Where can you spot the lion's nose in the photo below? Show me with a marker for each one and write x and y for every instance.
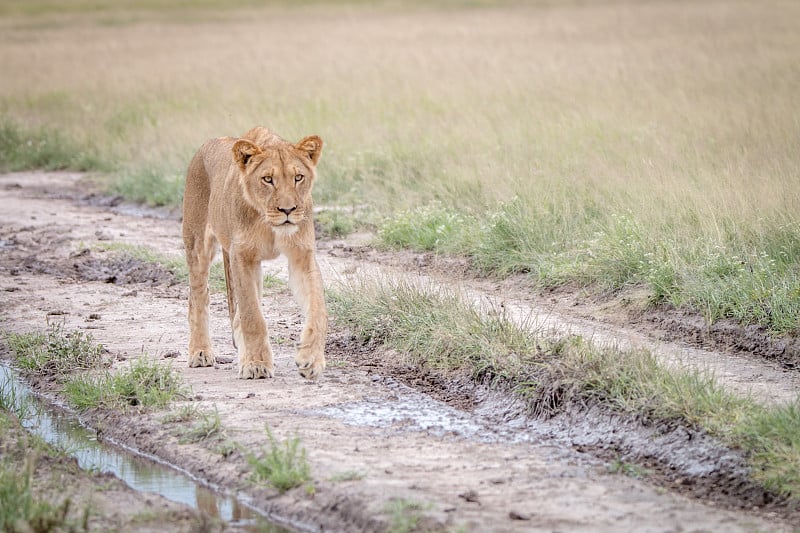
(287, 210)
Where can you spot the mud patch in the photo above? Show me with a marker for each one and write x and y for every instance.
(120, 269)
(35, 250)
(725, 335)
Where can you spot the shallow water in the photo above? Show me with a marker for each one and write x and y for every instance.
(61, 428)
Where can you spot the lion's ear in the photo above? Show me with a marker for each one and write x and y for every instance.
(312, 146)
(243, 150)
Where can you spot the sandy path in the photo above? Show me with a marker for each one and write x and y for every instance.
(465, 472)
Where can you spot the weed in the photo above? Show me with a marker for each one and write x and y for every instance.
(283, 465)
(144, 384)
(405, 514)
(618, 466)
(184, 413)
(55, 351)
(347, 475)
(208, 427)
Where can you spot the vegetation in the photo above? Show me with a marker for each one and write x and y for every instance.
(58, 353)
(575, 154)
(22, 149)
(55, 352)
(283, 465)
(23, 506)
(144, 384)
(208, 427)
(405, 514)
(437, 329)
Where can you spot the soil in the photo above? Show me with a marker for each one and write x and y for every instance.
(378, 433)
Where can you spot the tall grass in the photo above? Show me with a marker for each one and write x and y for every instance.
(439, 330)
(615, 143)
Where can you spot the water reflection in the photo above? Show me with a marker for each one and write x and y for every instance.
(61, 429)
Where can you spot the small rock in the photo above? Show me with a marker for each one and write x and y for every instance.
(516, 515)
(94, 316)
(470, 496)
(251, 395)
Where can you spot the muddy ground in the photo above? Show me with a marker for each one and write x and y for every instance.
(375, 431)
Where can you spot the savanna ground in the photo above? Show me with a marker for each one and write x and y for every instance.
(634, 163)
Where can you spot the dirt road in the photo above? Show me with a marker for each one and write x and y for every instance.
(371, 440)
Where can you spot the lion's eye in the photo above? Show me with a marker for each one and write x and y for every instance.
(298, 178)
(267, 180)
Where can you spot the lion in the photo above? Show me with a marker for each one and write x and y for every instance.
(251, 196)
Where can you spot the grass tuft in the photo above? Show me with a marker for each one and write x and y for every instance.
(405, 514)
(283, 465)
(55, 352)
(144, 384)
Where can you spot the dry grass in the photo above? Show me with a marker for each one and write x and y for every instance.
(681, 116)
(656, 104)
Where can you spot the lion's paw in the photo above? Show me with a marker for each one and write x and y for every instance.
(255, 370)
(203, 357)
(310, 367)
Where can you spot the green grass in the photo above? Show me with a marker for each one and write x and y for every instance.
(208, 427)
(633, 470)
(346, 475)
(439, 330)
(42, 148)
(55, 352)
(144, 384)
(151, 186)
(283, 465)
(752, 276)
(404, 514)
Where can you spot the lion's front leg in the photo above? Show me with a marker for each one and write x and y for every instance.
(306, 283)
(200, 250)
(249, 327)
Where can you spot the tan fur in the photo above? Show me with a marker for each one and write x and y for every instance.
(252, 196)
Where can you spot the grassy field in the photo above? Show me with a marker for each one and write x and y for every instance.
(600, 143)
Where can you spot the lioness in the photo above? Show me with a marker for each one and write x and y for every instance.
(252, 195)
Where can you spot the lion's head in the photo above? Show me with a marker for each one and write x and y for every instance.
(277, 177)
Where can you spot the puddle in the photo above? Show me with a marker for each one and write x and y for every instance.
(61, 429)
(409, 411)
